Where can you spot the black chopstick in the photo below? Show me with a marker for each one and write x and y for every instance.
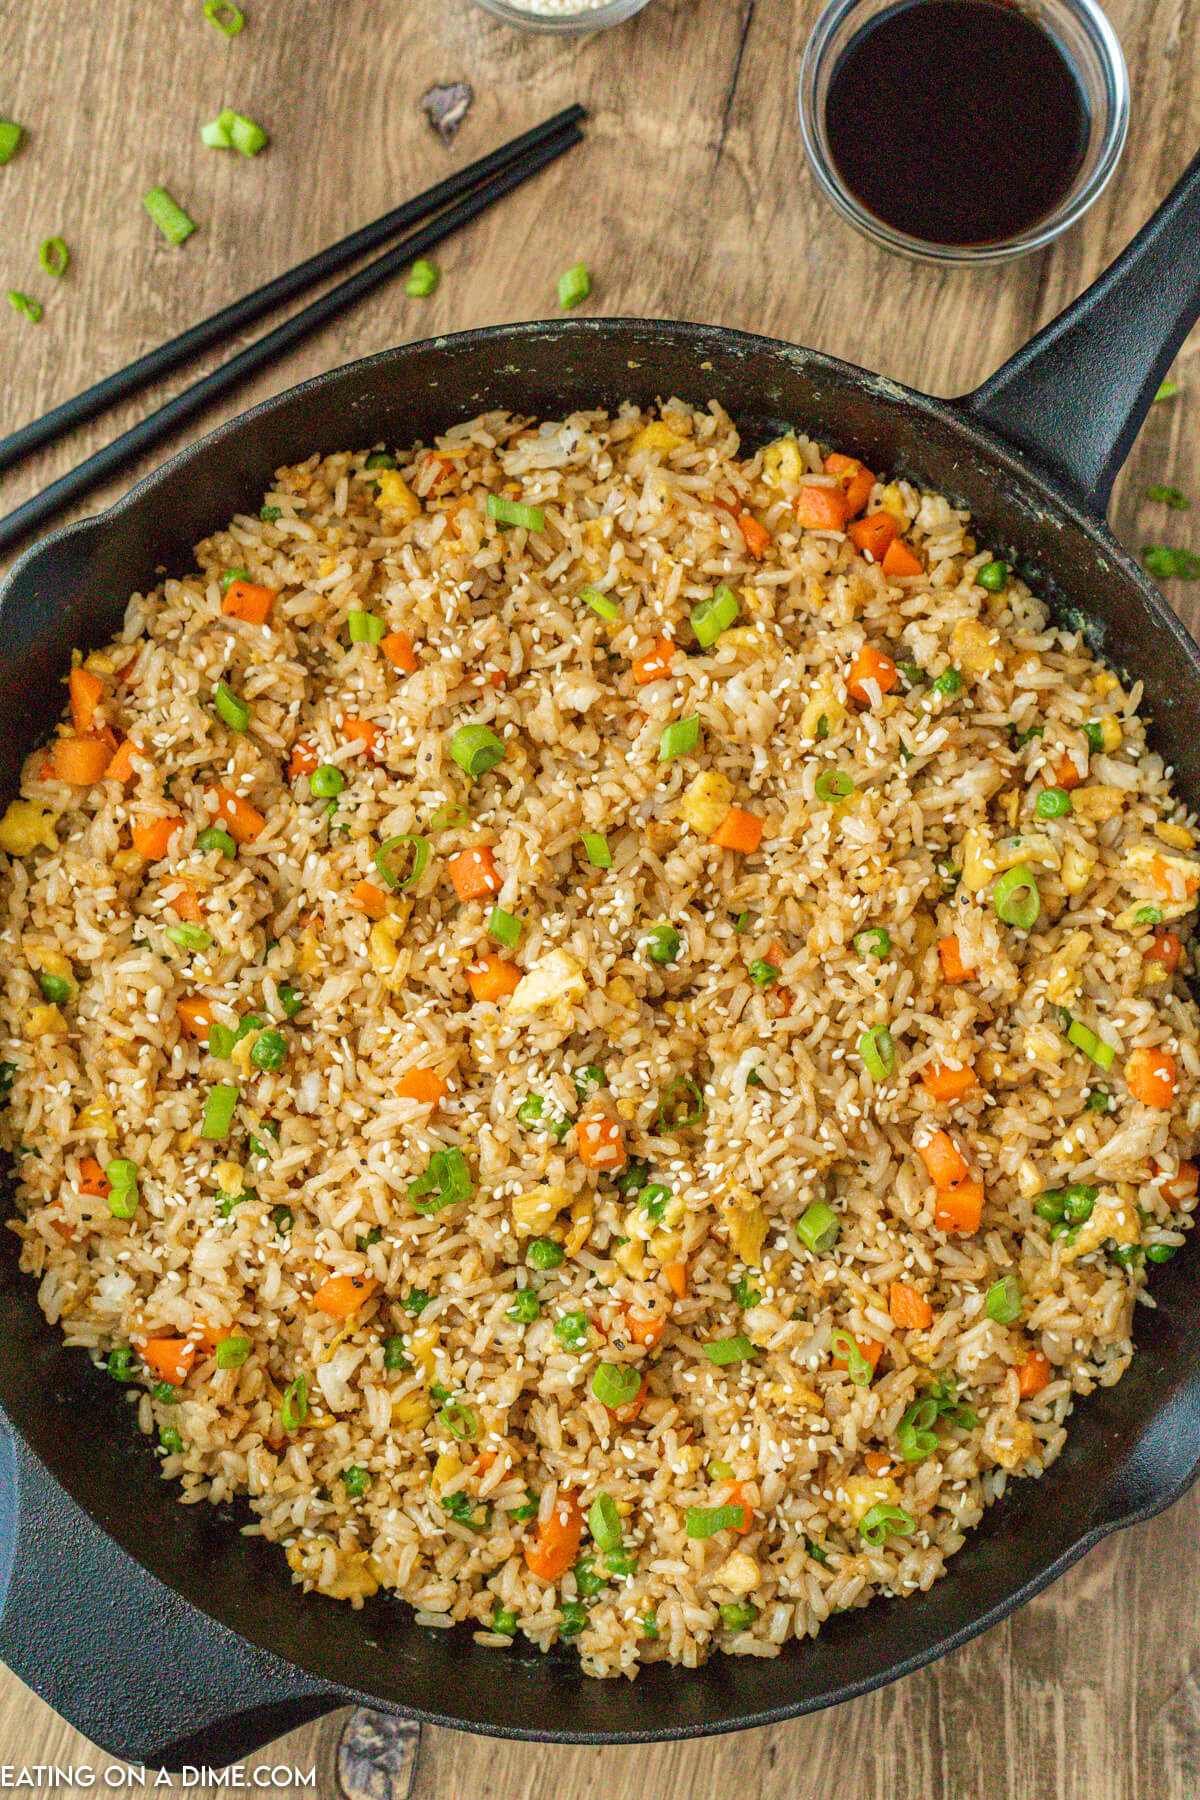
(266, 350)
(251, 307)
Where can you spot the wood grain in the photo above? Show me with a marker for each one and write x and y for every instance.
(690, 199)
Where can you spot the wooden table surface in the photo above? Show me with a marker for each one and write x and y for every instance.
(690, 199)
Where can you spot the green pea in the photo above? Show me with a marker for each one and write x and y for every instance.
(269, 1051)
(56, 988)
(544, 1253)
(326, 782)
(993, 576)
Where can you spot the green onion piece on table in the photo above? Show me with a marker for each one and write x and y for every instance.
(598, 852)
(54, 257)
(723, 1351)
(1003, 1302)
(1167, 391)
(1168, 563)
(171, 219)
(615, 1385)
(225, 16)
(679, 739)
(219, 1109)
(10, 138)
(423, 278)
(246, 136)
(1169, 496)
(476, 749)
(1016, 898)
(25, 304)
(510, 512)
(574, 286)
(713, 616)
(218, 133)
(818, 1227)
(392, 857)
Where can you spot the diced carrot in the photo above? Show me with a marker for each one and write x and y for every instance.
(369, 899)
(495, 678)
(654, 663)
(856, 480)
(491, 978)
(943, 1159)
(445, 469)
(869, 1348)
(909, 1307)
(646, 1328)
(1033, 1375)
(342, 1295)
(676, 1275)
(1163, 875)
(822, 508)
(153, 838)
(195, 1016)
(1066, 774)
(556, 1540)
(900, 561)
(170, 1358)
(876, 1462)
(92, 1179)
(206, 1337)
(758, 538)
(1182, 1185)
(186, 902)
(736, 1495)
(474, 872)
(738, 830)
(959, 1208)
(79, 760)
(120, 764)
(600, 1142)
(1152, 1077)
(1168, 948)
(362, 731)
(397, 646)
(425, 1085)
(86, 691)
(125, 676)
(484, 1461)
(873, 534)
(304, 758)
(953, 966)
(945, 1082)
(871, 665)
(245, 822)
(625, 1415)
(245, 600)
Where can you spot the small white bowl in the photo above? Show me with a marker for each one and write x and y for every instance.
(591, 18)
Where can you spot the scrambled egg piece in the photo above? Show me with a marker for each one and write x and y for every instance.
(974, 647)
(1110, 1218)
(353, 1576)
(655, 436)
(395, 495)
(739, 1573)
(781, 461)
(706, 800)
(25, 826)
(859, 1493)
(535, 1211)
(746, 1223)
(556, 977)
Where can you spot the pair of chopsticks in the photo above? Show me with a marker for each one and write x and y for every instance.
(453, 203)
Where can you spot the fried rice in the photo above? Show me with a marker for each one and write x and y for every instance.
(595, 1025)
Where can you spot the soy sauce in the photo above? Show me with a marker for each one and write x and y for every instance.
(956, 121)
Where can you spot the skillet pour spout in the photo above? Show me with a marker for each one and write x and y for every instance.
(159, 1630)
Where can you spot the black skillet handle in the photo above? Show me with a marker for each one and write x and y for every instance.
(1074, 398)
(123, 1659)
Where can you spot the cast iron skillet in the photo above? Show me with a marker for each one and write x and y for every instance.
(160, 1631)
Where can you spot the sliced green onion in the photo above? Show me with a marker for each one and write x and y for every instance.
(56, 988)
(10, 138)
(649, 1626)
(446, 1181)
(423, 278)
(123, 1199)
(1016, 899)
(246, 136)
(948, 682)
(738, 1615)
(1167, 391)
(219, 1109)
(662, 943)
(120, 1364)
(763, 974)
(511, 512)
(598, 852)
(993, 576)
(447, 815)
(476, 749)
(1161, 1253)
(833, 784)
(25, 304)
(54, 257)
(671, 1115)
(1003, 1302)
(1093, 731)
(819, 1227)
(225, 16)
(876, 942)
(189, 937)
(877, 1048)
(707, 1521)
(713, 616)
(723, 1351)
(857, 1366)
(884, 1521)
(326, 781)
(720, 1471)
(171, 219)
(504, 928)
(621, 1562)
(915, 1434)
(574, 286)
(745, 1293)
(391, 859)
(232, 575)
(218, 133)
(235, 712)
(365, 627)
(601, 604)
(1053, 803)
(215, 837)
(543, 1253)
(504, 1622)
(460, 1421)
(354, 1481)
(679, 739)
(232, 1352)
(1085, 1039)
(221, 1039)
(395, 1356)
(170, 1440)
(121, 1172)
(294, 1409)
(615, 1385)
(1148, 915)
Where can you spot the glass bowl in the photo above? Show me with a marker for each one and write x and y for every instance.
(592, 18)
(1082, 32)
